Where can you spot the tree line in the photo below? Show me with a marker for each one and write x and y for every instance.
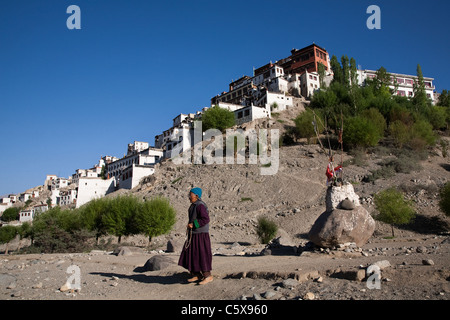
(66, 230)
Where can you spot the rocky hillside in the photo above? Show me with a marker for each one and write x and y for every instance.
(295, 196)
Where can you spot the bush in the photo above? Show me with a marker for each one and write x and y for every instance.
(304, 127)
(422, 130)
(155, 217)
(7, 233)
(217, 118)
(444, 202)
(266, 230)
(360, 132)
(119, 218)
(399, 132)
(10, 214)
(393, 208)
(376, 118)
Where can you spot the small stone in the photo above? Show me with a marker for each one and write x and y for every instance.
(421, 249)
(65, 287)
(290, 283)
(309, 296)
(269, 294)
(38, 285)
(428, 262)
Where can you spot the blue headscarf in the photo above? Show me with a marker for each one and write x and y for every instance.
(197, 191)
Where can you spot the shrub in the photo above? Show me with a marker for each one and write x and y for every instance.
(7, 233)
(217, 118)
(155, 217)
(376, 118)
(360, 132)
(399, 132)
(10, 214)
(266, 229)
(423, 130)
(438, 117)
(393, 208)
(304, 127)
(119, 218)
(444, 202)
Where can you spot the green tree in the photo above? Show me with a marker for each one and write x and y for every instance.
(360, 132)
(444, 99)
(399, 132)
(10, 214)
(393, 208)
(305, 122)
(91, 216)
(321, 72)
(422, 134)
(120, 218)
(155, 217)
(420, 100)
(376, 118)
(345, 71)
(337, 69)
(7, 233)
(217, 118)
(438, 117)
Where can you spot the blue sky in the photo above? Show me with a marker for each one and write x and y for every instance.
(68, 97)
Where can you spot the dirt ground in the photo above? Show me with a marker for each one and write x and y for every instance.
(418, 260)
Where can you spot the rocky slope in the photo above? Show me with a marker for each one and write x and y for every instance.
(237, 195)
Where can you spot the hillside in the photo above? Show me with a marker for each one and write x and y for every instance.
(294, 197)
(417, 259)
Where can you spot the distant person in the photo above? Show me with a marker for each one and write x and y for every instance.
(196, 255)
(331, 173)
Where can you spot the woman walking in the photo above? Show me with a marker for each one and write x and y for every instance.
(196, 255)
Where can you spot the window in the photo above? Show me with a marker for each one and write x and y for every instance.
(239, 114)
(247, 113)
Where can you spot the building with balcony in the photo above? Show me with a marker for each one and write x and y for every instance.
(401, 84)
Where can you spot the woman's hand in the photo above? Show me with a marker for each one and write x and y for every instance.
(190, 225)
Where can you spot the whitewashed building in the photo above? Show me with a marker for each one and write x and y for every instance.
(402, 84)
(93, 188)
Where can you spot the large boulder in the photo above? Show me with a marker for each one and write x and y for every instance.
(340, 226)
(157, 263)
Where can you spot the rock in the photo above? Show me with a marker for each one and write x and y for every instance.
(65, 287)
(289, 283)
(352, 274)
(6, 280)
(157, 263)
(340, 226)
(346, 204)
(382, 264)
(421, 249)
(123, 251)
(309, 296)
(126, 251)
(269, 294)
(336, 195)
(37, 285)
(428, 262)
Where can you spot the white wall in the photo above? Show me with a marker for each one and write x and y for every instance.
(92, 188)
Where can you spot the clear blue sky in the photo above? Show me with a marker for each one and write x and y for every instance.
(68, 97)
